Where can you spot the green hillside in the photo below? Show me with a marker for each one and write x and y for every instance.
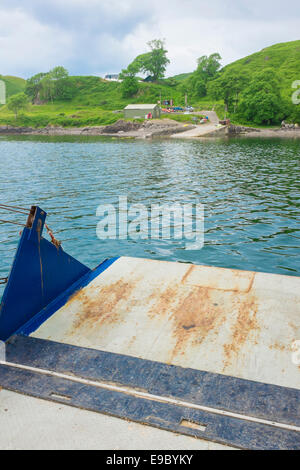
(283, 59)
(94, 91)
(93, 102)
(181, 76)
(278, 66)
(256, 90)
(14, 85)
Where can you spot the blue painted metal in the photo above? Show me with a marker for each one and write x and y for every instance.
(34, 323)
(40, 273)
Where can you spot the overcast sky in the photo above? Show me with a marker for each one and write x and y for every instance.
(101, 36)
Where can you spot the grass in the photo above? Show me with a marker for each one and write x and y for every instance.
(13, 85)
(94, 91)
(96, 101)
(184, 118)
(283, 58)
(182, 76)
(59, 115)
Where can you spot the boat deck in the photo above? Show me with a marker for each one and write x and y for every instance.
(231, 322)
(236, 323)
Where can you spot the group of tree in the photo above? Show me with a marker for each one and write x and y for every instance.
(249, 97)
(207, 69)
(256, 99)
(43, 87)
(53, 85)
(153, 63)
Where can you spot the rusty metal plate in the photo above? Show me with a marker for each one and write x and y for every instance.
(230, 322)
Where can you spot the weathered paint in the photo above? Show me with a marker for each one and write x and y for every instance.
(40, 273)
(231, 322)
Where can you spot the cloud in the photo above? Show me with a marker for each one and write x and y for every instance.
(100, 36)
(26, 45)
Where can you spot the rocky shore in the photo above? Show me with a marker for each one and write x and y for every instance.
(232, 131)
(142, 130)
(153, 128)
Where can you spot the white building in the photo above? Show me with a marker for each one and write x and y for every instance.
(112, 77)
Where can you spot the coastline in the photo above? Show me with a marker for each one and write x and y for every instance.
(125, 129)
(155, 128)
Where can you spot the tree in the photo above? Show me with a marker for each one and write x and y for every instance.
(65, 89)
(48, 88)
(208, 66)
(34, 86)
(261, 101)
(295, 114)
(130, 84)
(17, 103)
(228, 87)
(196, 86)
(55, 84)
(59, 83)
(154, 62)
(207, 69)
(58, 73)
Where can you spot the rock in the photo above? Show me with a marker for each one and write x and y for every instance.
(15, 130)
(236, 130)
(121, 125)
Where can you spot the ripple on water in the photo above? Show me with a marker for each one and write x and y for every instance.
(250, 189)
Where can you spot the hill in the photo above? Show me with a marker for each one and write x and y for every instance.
(94, 91)
(283, 59)
(14, 85)
(256, 90)
(92, 102)
(181, 76)
(279, 65)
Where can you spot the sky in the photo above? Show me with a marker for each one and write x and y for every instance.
(95, 37)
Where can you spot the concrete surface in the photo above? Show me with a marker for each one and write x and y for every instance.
(31, 423)
(201, 130)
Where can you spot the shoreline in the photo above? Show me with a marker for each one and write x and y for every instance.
(127, 129)
(155, 128)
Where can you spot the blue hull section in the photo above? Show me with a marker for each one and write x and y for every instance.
(41, 272)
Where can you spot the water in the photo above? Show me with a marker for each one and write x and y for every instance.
(250, 189)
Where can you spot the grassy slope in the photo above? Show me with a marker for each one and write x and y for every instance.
(14, 85)
(181, 76)
(93, 91)
(96, 99)
(283, 58)
(94, 104)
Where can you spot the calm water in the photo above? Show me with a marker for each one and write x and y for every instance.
(250, 189)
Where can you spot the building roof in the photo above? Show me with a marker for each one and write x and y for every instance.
(141, 106)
